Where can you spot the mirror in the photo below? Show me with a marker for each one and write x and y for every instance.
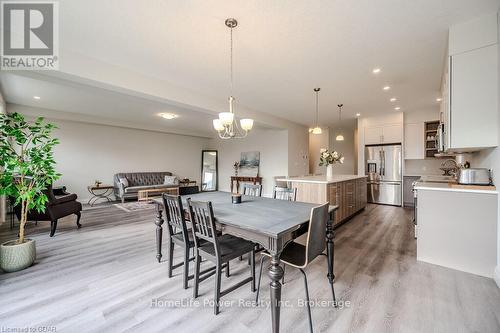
(209, 169)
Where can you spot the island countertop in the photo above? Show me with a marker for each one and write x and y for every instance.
(321, 179)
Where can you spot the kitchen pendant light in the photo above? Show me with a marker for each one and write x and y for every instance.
(226, 125)
(316, 129)
(340, 137)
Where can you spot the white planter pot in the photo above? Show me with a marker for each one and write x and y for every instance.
(15, 257)
(329, 171)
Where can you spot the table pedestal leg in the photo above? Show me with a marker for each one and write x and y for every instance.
(329, 249)
(159, 232)
(275, 273)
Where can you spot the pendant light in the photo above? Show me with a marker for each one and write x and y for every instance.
(340, 137)
(227, 125)
(316, 129)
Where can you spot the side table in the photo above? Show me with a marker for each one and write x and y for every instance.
(100, 192)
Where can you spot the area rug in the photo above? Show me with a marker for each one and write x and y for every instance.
(135, 206)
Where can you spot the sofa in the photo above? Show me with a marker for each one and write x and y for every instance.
(128, 184)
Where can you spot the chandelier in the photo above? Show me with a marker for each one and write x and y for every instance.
(226, 125)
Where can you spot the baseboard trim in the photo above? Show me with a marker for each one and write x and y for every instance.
(496, 276)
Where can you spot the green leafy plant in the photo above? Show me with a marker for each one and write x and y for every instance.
(27, 166)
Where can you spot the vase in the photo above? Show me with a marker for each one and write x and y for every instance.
(329, 171)
(15, 257)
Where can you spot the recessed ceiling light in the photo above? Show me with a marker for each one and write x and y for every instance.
(376, 70)
(358, 114)
(387, 88)
(397, 108)
(169, 116)
(36, 97)
(393, 99)
(439, 99)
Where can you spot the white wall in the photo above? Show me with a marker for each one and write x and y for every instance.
(273, 148)
(490, 158)
(316, 143)
(90, 152)
(347, 148)
(298, 151)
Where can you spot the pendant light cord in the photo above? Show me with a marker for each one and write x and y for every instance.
(231, 63)
(317, 98)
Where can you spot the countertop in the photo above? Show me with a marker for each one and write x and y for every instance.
(321, 179)
(434, 186)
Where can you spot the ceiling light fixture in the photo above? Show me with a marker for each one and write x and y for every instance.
(169, 116)
(340, 137)
(387, 88)
(226, 125)
(397, 108)
(439, 99)
(376, 70)
(393, 99)
(316, 129)
(358, 114)
(36, 97)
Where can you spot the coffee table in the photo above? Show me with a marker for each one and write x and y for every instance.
(145, 195)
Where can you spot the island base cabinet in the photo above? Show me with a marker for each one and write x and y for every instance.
(350, 196)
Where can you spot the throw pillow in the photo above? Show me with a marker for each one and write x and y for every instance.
(171, 180)
(123, 181)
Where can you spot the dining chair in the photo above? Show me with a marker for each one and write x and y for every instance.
(285, 193)
(254, 190)
(280, 183)
(299, 256)
(176, 221)
(219, 249)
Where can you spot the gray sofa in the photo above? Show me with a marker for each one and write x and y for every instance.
(128, 184)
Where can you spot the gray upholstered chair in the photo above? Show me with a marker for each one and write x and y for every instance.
(219, 249)
(285, 193)
(254, 190)
(299, 256)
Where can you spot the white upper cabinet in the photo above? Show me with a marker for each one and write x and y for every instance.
(414, 141)
(390, 133)
(471, 106)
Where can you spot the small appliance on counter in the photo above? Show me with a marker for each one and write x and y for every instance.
(474, 176)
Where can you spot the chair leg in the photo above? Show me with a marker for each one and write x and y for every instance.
(78, 216)
(196, 275)
(186, 267)
(218, 274)
(260, 277)
(170, 256)
(123, 200)
(53, 227)
(307, 299)
(283, 278)
(227, 269)
(252, 269)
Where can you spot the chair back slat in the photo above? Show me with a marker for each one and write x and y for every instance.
(285, 193)
(175, 215)
(316, 237)
(202, 219)
(254, 190)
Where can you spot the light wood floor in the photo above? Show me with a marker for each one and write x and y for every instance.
(104, 278)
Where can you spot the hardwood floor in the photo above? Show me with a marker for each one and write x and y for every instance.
(105, 278)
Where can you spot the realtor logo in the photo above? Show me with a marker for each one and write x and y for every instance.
(29, 35)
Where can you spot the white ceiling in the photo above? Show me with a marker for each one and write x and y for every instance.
(100, 104)
(283, 49)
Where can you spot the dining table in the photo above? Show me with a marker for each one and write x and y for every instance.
(268, 222)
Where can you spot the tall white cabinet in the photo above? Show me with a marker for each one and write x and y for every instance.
(471, 86)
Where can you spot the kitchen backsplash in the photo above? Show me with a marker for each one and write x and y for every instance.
(423, 167)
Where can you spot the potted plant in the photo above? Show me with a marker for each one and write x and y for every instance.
(329, 159)
(26, 170)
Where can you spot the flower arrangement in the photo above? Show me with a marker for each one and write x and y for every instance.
(330, 157)
(236, 166)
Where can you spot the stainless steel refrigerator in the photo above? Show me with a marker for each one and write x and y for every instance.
(384, 166)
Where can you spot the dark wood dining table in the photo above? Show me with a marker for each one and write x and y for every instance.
(269, 222)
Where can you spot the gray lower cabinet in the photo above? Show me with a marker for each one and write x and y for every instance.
(408, 190)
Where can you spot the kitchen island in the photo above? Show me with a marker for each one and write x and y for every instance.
(346, 191)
